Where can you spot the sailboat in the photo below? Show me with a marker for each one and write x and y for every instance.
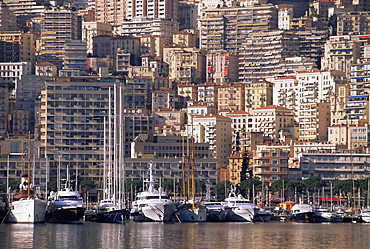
(66, 205)
(27, 207)
(153, 204)
(190, 210)
(111, 208)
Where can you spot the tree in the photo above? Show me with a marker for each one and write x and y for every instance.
(298, 186)
(313, 181)
(13, 185)
(247, 185)
(278, 185)
(220, 188)
(52, 186)
(344, 186)
(87, 185)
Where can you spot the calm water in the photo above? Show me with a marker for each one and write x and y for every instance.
(202, 235)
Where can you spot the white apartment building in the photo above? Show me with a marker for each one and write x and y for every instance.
(199, 109)
(309, 86)
(11, 72)
(285, 15)
(215, 130)
(161, 9)
(271, 120)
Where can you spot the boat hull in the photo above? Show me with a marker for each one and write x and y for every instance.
(158, 212)
(115, 216)
(27, 211)
(189, 214)
(216, 215)
(241, 214)
(303, 217)
(66, 215)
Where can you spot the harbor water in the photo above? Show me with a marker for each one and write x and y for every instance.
(186, 235)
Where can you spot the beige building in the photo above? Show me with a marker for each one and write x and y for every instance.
(152, 45)
(338, 102)
(208, 93)
(17, 46)
(314, 120)
(340, 53)
(46, 69)
(222, 67)
(272, 120)
(169, 117)
(185, 38)
(186, 65)
(231, 96)
(215, 130)
(185, 93)
(238, 167)
(353, 23)
(270, 165)
(91, 29)
(113, 13)
(258, 94)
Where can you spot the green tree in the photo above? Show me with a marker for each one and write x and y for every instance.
(247, 185)
(52, 186)
(278, 185)
(13, 185)
(298, 186)
(87, 185)
(345, 186)
(220, 188)
(313, 181)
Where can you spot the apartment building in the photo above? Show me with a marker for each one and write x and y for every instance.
(17, 46)
(185, 93)
(186, 38)
(231, 96)
(263, 54)
(239, 167)
(8, 20)
(170, 117)
(314, 120)
(163, 98)
(167, 9)
(340, 53)
(111, 12)
(58, 26)
(270, 165)
(215, 130)
(271, 120)
(225, 28)
(319, 12)
(4, 109)
(208, 93)
(222, 67)
(137, 92)
(186, 65)
(46, 69)
(351, 135)
(307, 86)
(334, 165)
(127, 45)
(143, 27)
(353, 23)
(195, 109)
(338, 102)
(75, 59)
(152, 45)
(11, 72)
(91, 29)
(258, 94)
(285, 15)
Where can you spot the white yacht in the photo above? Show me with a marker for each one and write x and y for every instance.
(153, 204)
(239, 208)
(365, 215)
(192, 211)
(215, 211)
(65, 206)
(27, 207)
(323, 215)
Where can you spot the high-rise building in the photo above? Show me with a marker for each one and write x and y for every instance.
(17, 46)
(58, 26)
(8, 21)
(156, 9)
(226, 28)
(112, 12)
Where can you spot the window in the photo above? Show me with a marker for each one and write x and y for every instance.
(274, 169)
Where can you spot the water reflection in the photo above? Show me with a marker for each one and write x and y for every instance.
(186, 235)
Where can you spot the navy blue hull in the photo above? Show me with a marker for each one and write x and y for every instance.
(303, 217)
(116, 216)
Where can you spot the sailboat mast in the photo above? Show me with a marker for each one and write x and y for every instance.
(192, 170)
(29, 167)
(183, 165)
(109, 145)
(115, 132)
(105, 159)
